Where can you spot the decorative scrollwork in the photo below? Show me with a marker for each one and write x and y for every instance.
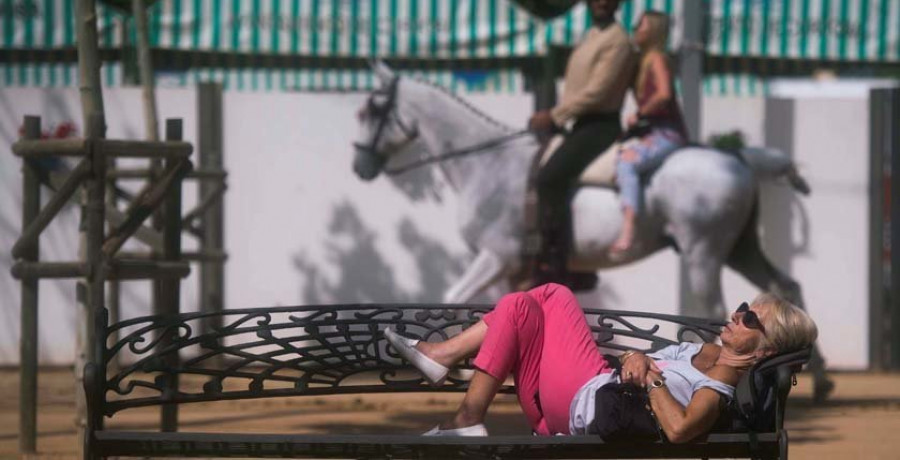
(333, 349)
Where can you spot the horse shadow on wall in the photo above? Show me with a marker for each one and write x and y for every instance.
(365, 274)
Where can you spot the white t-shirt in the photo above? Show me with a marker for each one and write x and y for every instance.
(682, 380)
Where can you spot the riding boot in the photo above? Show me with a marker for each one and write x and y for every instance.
(552, 261)
(550, 266)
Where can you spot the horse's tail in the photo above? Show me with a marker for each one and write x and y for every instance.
(769, 163)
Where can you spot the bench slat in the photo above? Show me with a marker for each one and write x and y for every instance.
(124, 443)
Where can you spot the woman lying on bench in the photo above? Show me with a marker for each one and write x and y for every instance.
(542, 338)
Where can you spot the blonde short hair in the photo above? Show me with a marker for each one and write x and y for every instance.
(788, 328)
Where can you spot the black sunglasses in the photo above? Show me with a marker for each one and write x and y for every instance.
(749, 318)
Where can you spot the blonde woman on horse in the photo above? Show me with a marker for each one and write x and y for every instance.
(658, 121)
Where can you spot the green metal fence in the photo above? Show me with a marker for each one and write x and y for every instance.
(857, 31)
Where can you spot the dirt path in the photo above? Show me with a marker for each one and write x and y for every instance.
(861, 421)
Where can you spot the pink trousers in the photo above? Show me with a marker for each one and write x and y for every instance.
(542, 337)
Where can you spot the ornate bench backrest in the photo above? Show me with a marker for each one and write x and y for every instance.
(311, 350)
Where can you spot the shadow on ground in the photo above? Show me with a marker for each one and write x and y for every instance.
(804, 416)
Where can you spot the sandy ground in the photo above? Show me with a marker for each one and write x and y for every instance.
(861, 421)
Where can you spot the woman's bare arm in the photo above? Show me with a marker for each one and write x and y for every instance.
(682, 424)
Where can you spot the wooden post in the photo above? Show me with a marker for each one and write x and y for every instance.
(212, 273)
(691, 76)
(893, 141)
(114, 294)
(878, 285)
(147, 203)
(90, 289)
(64, 191)
(145, 62)
(691, 67)
(89, 292)
(151, 123)
(884, 230)
(89, 65)
(169, 288)
(129, 77)
(129, 53)
(28, 342)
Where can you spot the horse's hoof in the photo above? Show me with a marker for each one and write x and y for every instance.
(822, 388)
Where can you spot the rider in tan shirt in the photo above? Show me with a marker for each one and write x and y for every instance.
(598, 75)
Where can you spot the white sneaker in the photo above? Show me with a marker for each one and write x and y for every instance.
(474, 430)
(434, 372)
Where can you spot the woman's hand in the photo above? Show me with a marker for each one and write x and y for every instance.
(636, 367)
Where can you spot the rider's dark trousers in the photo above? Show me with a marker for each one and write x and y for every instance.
(556, 180)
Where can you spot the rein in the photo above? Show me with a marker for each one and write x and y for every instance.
(477, 148)
(387, 111)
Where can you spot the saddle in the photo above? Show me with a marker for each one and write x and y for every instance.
(600, 173)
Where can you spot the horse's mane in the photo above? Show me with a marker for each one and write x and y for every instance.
(459, 100)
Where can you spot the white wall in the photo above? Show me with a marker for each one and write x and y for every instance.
(831, 145)
(820, 240)
(301, 228)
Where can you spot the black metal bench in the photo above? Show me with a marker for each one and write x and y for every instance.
(339, 349)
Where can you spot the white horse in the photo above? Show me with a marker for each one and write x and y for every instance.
(700, 200)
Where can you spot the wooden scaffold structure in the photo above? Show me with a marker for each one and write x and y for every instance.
(104, 228)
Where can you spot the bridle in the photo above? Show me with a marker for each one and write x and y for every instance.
(386, 111)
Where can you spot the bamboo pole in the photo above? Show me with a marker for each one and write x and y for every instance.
(145, 68)
(146, 204)
(130, 75)
(114, 217)
(691, 76)
(38, 223)
(89, 66)
(89, 290)
(145, 64)
(216, 257)
(207, 201)
(169, 288)
(28, 341)
(144, 234)
(49, 148)
(145, 149)
(114, 287)
(37, 270)
(148, 269)
(212, 254)
(145, 173)
(203, 173)
(129, 173)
